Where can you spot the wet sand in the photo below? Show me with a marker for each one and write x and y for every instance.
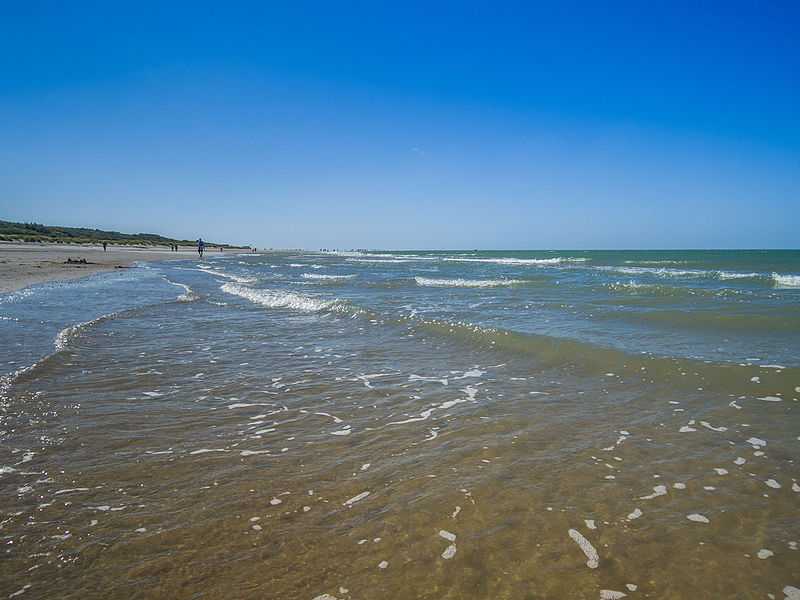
(22, 264)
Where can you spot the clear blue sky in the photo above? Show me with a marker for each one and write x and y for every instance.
(406, 125)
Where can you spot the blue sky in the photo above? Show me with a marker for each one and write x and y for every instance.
(406, 125)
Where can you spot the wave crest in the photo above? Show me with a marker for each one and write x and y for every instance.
(319, 277)
(471, 283)
(521, 261)
(284, 299)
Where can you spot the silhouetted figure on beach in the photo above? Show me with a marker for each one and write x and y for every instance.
(201, 247)
(105, 244)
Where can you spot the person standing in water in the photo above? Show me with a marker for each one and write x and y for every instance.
(201, 246)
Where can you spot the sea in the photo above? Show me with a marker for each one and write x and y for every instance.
(450, 424)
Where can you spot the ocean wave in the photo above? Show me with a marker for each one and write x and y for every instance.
(657, 289)
(236, 278)
(666, 272)
(379, 260)
(16, 296)
(472, 283)
(554, 351)
(556, 260)
(284, 299)
(320, 277)
(786, 281)
(189, 294)
(66, 335)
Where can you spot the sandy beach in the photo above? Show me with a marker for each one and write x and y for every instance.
(22, 264)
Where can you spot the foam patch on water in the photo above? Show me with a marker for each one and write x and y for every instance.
(378, 260)
(470, 283)
(668, 272)
(592, 558)
(66, 335)
(356, 498)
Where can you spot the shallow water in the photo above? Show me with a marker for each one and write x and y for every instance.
(406, 425)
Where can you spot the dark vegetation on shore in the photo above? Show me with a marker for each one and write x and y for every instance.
(35, 232)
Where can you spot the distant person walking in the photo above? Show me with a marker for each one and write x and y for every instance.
(201, 247)
(105, 245)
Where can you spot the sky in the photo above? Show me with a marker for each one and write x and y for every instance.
(406, 125)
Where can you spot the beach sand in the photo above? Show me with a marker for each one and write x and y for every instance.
(23, 264)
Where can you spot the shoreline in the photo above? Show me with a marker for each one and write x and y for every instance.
(26, 264)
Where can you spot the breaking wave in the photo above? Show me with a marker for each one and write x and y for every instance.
(319, 277)
(665, 272)
(285, 299)
(786, 281)
(470, 283)
(521, 261)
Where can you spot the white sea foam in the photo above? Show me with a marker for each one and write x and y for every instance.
(635, 514)
(592, 558)
(320, 277)
(283, 299)
(659, 490)
(611, 595)
(697, 518)
(723, 275)
(786, 281)
(444, 534)
(556, 260)
(236, 278)
(655, 262)
(378, 260)
(188, 294)
(473, 283)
